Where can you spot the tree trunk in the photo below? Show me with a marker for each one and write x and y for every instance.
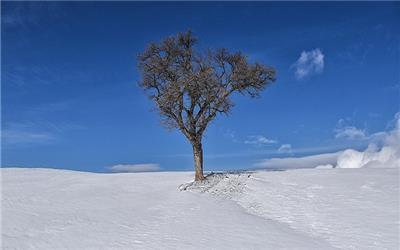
(198, 161)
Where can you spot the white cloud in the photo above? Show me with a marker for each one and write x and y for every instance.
(285, 148)
(385, 156)
(133, 168)
(351, 132)
(309, 63)
(258, 140)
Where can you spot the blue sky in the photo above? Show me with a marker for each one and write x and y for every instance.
(69, 81)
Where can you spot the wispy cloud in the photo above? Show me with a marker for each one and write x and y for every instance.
(18, 15)
(231, 134)
(259, 140)
(309, 63)
(32, 132)
(14, 136)
(285, 148)
(29, 14)
(351, 132)
(134, 168)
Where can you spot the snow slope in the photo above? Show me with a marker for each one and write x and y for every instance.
(298, 209)
(350, 208)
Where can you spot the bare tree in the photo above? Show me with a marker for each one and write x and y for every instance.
(190, 89)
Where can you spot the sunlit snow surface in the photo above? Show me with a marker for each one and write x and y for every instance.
(295, 209)
(350, 208)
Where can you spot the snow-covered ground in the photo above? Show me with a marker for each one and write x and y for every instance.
(350, 208)
(294, 209)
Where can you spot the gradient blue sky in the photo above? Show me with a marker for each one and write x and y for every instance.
(69, 81)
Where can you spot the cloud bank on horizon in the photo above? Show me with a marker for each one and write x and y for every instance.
(385, 156)
(135, 168)
(383, 151)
